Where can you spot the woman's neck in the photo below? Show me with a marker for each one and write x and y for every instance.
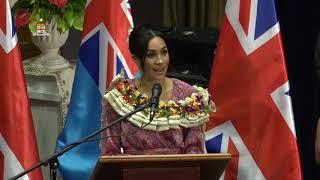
(146, 85)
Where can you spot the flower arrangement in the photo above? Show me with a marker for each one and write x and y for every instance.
(66, 13)
(190, 112)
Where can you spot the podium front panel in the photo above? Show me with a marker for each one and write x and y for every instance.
(183, 173)
(210, 166)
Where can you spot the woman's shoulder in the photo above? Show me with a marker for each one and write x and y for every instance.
(182, 88)
(181, 84)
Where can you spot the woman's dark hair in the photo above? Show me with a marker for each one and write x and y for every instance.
(139, 40)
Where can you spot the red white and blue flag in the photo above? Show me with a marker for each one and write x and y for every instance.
(18, 145)
(249, 84)
(103, 53)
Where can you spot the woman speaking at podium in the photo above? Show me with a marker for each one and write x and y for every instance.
(178, 125)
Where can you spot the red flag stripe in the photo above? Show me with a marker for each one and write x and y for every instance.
(18, 138)
(3, 16)
(15, 114)
(244, 15)
(232, 168)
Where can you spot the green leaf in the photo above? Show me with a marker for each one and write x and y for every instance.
(62, 24)
(78, 5)
(82, 3)
(35, 16)
(55, 18)
(44, 15)
(32, 1)
(68, 16)
(54, 10)
(21, 4)
(78, 19)
(32, 27)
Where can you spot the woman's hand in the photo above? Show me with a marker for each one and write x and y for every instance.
(115, 81)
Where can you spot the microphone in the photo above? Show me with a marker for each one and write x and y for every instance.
(154, 101)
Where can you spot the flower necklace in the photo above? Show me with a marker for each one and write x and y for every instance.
(190, 112)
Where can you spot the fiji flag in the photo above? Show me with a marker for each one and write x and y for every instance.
(103, 53)
(249, 84)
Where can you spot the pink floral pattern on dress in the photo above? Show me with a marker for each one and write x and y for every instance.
(140, 141)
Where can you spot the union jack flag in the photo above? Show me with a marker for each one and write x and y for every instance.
(103, 53)
(249, 84)
(18, 145)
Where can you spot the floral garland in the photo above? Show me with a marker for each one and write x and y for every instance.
(190, 112)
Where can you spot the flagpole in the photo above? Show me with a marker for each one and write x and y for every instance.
(53, 159)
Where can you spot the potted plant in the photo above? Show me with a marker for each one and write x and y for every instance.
(49, 22)
(66, 13)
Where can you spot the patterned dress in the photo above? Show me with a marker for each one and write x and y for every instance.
(138, 142)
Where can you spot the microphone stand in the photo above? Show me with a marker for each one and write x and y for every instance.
(53, 159)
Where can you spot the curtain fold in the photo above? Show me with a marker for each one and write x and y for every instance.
(193, 13)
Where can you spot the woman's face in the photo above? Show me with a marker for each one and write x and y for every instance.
(156, 60)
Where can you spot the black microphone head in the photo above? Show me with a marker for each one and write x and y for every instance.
(154, 101)
(156, 90)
